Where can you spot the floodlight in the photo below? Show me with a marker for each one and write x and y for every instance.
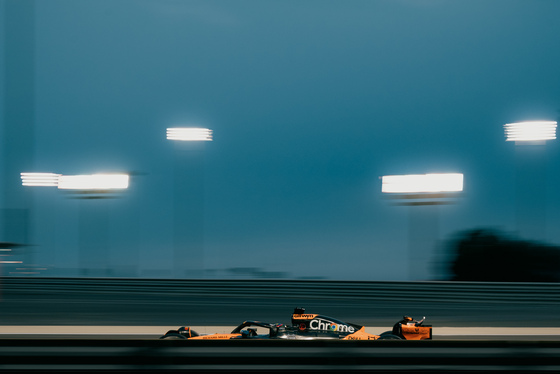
(189, 134)
(419, 183)
(530, 131)
(93, 182)
(40, 179)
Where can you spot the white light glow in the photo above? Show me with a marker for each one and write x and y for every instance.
(93, 182)
(11, 262)
(39, 179)
(417, 183)
(530, 131)
(189, 134)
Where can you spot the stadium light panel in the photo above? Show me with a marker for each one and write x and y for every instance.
(530, 131)
(40, 179)
(189, 134)
(419, 183)
(93, 182)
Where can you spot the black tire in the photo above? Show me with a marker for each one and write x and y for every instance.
(173, 336)
(386, 333)
(389, 336)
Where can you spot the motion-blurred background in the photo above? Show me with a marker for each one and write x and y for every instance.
(309, 104)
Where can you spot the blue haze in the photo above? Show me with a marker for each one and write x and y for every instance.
(310, 103)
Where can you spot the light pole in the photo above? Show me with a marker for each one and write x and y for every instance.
(530, 138)
(188, 199)
(37, 180)
(93, 243)
(423, 193)
(92, 190)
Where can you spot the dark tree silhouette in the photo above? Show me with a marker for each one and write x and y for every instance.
(488, 255)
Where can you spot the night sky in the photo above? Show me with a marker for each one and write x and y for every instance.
(310, 102)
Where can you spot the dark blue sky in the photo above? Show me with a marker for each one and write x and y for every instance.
(310, 103)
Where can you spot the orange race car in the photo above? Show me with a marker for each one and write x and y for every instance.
(306, 326)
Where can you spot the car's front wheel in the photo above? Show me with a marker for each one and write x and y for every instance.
(389, 337)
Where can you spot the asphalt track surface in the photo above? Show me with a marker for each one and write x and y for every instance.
(75, 329)
(155, 332)
(250, 356)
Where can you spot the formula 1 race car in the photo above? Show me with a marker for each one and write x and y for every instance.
(311, 327)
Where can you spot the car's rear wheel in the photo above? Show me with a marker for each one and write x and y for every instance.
(173, 335)
(389, 337)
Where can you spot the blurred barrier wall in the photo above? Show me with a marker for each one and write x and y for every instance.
(548, 293)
